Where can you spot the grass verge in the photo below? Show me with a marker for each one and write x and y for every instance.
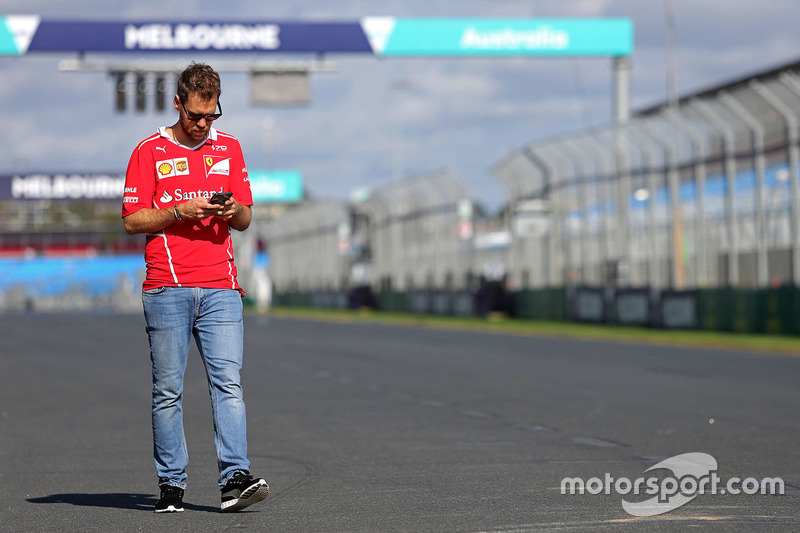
(704, 339)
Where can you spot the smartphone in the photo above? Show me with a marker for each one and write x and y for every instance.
(220, 198)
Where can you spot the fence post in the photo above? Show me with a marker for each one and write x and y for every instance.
(596, 146)
(757, 137)
(790, 81)
(553, 236)
(700, 153)
(565, 188)
(729, 149)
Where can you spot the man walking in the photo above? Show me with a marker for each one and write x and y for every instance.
(191, 289)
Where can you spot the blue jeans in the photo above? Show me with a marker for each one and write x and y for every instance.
(214, 316)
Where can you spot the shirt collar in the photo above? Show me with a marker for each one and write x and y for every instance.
(212, 136)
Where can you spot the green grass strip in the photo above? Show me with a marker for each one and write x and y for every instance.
(541, 328)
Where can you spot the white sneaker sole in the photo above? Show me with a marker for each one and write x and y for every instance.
(170, 509)
(252, 494)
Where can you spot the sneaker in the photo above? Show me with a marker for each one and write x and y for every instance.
(242, 490)
(171, 500)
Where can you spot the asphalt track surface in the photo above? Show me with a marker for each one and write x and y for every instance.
(365, 427)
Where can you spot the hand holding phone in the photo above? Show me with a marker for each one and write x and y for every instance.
(220, 198)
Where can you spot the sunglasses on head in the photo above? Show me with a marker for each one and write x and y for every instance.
(194, 117)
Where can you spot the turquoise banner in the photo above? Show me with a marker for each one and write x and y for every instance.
(508, 37)
(276, 186)
(16, 33)
(8, 45)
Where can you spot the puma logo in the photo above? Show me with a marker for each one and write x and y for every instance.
(162, 148)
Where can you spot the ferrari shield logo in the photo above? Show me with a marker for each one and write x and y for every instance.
(218, 165)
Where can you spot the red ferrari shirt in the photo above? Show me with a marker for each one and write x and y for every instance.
(162, 173)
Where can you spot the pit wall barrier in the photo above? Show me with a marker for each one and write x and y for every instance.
(771, 311)
(775, 311)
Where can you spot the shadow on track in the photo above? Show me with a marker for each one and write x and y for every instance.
(139, 502)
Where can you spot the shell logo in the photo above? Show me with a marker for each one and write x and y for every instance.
(165, 168)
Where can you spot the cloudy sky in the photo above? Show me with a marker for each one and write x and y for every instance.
(376, 119)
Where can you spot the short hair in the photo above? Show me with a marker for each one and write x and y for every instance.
(200, 79)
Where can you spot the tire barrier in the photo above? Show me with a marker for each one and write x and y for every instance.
(678, 309)
(447, 303)
(632, 307)
(588, 305)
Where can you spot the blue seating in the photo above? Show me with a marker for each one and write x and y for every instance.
(54, 276)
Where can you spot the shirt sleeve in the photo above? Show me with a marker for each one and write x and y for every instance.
(139, 183)
(239, 180)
